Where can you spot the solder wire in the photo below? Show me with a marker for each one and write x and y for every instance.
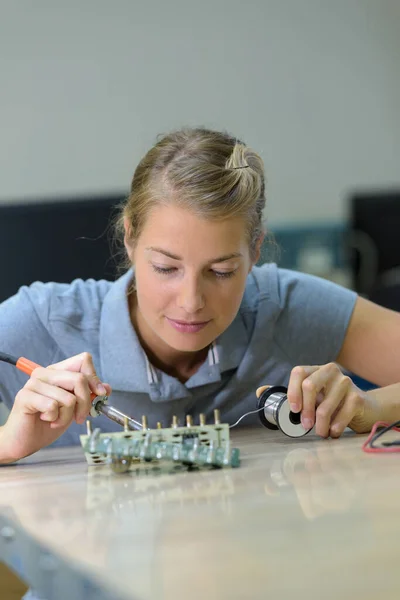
(252, 412)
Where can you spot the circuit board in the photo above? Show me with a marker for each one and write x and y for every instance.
(192, 446)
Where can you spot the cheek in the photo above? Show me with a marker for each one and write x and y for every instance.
(152, 293)
(227, 297)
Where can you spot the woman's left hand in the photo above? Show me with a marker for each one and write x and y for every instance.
(326, 398)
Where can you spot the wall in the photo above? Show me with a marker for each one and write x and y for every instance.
(314, 86)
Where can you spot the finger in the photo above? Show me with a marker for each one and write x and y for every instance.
(83, 399)
(66, 414)
(294, 393)
(351, 408)
(88, 368)
(73, 363)
(83, 409)
(66, 401)
(31, 403)
(336, 392)
(76, 383)
(321, 378)
(262, 389)
(61, 378)
(83, 363)
(108, 389)
(56, 395)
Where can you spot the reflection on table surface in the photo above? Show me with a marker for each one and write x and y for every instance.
(304, 516)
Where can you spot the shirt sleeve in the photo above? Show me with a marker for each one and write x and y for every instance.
(23, 332)
(314, 317)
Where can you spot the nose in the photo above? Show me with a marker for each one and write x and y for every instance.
(190, 296)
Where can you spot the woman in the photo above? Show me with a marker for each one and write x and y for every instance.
(193, 325)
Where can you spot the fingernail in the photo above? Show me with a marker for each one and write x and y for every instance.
(336, 429)
(307, 423)
(295, 408)
(101, 390)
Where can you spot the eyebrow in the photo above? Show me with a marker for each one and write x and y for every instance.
(213, 260)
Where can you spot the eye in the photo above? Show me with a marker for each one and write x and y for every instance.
(163, 270)
(223, 274)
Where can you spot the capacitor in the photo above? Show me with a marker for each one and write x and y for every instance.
(277, 413)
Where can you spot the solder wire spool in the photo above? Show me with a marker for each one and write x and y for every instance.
(277, 413)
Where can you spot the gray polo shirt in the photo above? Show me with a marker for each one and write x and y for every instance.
(285, 319)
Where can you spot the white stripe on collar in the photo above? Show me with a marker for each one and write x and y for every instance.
(213, 357)
(152, 376)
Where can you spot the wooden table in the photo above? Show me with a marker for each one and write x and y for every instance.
(304, 518)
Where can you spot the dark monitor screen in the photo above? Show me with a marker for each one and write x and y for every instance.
(56, 241)
(375, 240)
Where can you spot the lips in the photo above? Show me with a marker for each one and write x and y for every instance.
(188, 322)
(187, 326)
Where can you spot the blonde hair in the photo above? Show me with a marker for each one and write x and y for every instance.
(208, 172)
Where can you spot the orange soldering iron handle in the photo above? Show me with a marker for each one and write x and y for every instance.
(28, 366)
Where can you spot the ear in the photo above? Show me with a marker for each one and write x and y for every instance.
(257, 251)
(128, 238)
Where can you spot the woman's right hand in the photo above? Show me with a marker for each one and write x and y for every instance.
(47, 404)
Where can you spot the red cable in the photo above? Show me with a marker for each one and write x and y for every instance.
(370, 450)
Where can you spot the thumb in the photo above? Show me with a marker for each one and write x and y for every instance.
(262, 389)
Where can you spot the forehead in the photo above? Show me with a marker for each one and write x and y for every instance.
(173, 225)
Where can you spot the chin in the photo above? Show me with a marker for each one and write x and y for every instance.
(188, 343)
